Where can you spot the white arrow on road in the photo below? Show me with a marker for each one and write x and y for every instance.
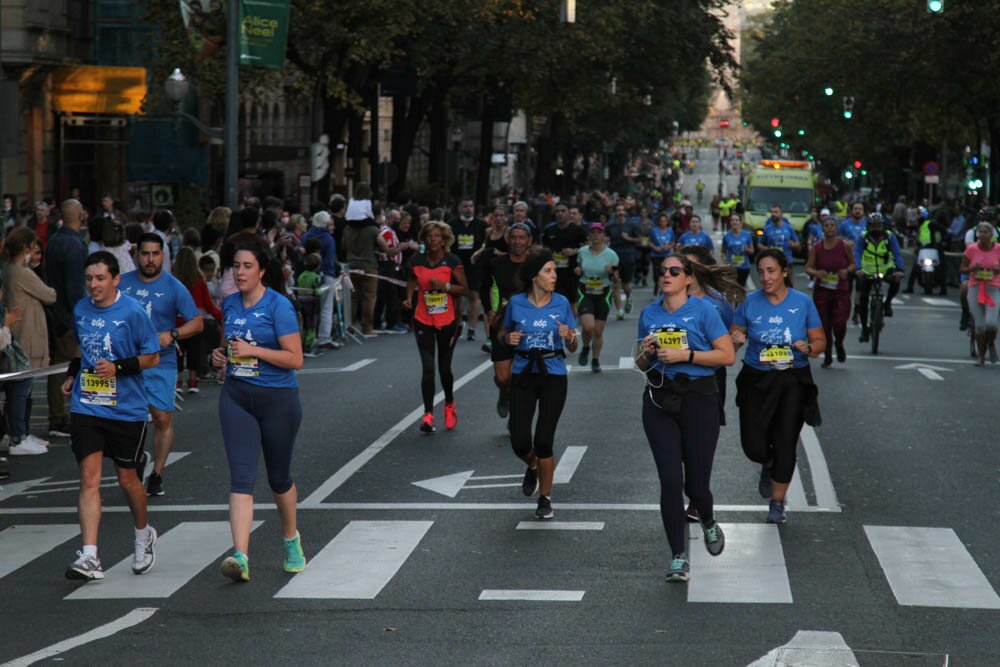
(10, 490)
(928, 371)
(450, 485)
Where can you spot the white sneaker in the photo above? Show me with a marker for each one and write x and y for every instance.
(27, 448)
(144, 557)
(37, 440)
(87, 568)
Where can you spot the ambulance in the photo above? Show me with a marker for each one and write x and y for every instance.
(789, 183)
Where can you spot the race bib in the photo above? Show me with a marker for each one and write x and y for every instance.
(95, 390)
(645, 241)
(244, 367)
(984, 274)
(830, 280)
(562, 262)
(465, 241)
(672, 338)
(595, 285)
(780, 356)
(739, 260)
(436, 303)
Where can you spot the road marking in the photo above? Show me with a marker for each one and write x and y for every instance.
(626, 363)
(940, 302)
(808, 647)
(74, 484)
(491, 486)
(446, 485)
(17, 488)
(795, 496)
(560, 525)
(924, 360)
(181, 554)
(930, 567)
(532, 596)
(21, 544)
(929, 374)
(133, 618)
(348, 469)
(751, 569)
(270, 507)
(357, 365)
(567, 465)
(359, 562)
(826, 495)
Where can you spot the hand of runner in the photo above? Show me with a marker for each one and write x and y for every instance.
(218, 357)
(802, 346)
(672, 355)
(105, 369)
(565, 332)
(407, 304)
(67, 386)
(241, 348)
(514, 338)
(437, 284)
(739, 337)
(166, 340)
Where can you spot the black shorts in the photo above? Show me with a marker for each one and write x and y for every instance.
(120, 441)
(567, 284)
(598, 305)
(472, 273)
(500, 351)
(626, 270)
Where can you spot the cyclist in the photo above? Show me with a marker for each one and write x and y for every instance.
(597, 267)
(878, 249)
(737, 248)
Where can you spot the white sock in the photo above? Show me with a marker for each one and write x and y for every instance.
(142, 534)
(90, 550)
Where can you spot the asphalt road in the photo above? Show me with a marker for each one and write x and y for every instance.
(889, 555)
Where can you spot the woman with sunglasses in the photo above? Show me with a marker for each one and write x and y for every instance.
(775, 392)
(682, 340)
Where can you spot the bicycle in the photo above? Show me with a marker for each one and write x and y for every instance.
(876, 318)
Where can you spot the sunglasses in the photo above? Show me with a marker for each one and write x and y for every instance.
(674, 271)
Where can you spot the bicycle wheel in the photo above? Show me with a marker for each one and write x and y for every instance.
(876, 321)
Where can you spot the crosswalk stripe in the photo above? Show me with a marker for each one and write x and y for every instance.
(22, 544)
(532, 595)
(751, 569)
(358, 562)
(181, 553)
(795, 497)
(568, 464)
(930, 567)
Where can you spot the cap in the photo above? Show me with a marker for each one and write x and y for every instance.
(824, 211)
(596, 225)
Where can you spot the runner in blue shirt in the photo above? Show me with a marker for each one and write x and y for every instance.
(661, 243)
(108, 408)
(696, 236)
(259, 405)
(164, 298)
(779, 233)
(737, 246)
(539, 325)
(774, 390)
(681, 342)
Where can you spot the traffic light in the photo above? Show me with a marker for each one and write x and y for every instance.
(745, 123)
(775, 122)
(802, 133)
(935, 6)
(723, 123)
(777, 134)
(848, 108)
(857, 164)
(828, 91)
(848, 174)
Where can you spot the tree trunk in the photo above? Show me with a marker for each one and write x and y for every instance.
(408, 114)
(546, 153)
(438, 158)
(482, 192)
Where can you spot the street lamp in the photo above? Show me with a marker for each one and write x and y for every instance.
(177, 87)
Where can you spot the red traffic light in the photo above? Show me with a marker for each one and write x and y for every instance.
(723, 123)
(857, 164)
(775, 122)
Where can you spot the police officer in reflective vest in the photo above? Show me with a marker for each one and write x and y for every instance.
(877, 251)
(931, 235)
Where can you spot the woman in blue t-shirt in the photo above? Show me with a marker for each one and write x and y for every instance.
(682, 340)
(775, 392)
(737, 247)
(259, 405)
(695, 236)
(538, 324)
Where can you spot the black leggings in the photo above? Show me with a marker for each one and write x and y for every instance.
(777, 442)
(548, 392)
(683, 448)
(444, 339)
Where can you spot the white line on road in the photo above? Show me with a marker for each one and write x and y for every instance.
(568, 463)
(751, 569)
(357, 365)
(927, 360)
(626, 363)
(532, 596)
(940, 302)
(826, 496)
(796, 493)
(485, 477)
(929, 374)
(133, 618)
(74, 484)
(560, 525)
(912, 558)
(181, 554)
(492, 486)
(348, 469)
(20, 544)
(359, 562)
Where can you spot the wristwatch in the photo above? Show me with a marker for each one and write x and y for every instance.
(174, 334)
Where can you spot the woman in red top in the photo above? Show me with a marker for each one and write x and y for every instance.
(436, 277)
(194, 349)
(831, 260)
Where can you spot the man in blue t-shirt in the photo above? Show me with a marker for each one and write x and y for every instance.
(108, 408)
(779, 233)
(164, 298)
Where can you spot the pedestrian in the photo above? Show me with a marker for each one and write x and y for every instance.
(165, 299)
(436, 279)
(390, 271)
(539, 325)
(320, 231)
(775, 393)
(113, 240)
(259, 405)
(682, 341)
(830, 262)
(195, 349)
(360, 240)
(108, 408)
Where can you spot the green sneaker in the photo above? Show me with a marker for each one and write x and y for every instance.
(295, 560)
(236, 567)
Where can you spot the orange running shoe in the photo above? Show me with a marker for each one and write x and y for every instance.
(427, 423)
(450, 416)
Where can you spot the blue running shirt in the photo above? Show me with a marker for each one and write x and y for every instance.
(693, 326)
(735, 248)
(163, 299)
(781, 238)
(701, 238)
(261, 324)
(541, 328)
(772, 328)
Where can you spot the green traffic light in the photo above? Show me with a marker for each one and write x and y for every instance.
(828, 91)
(848, 114)
(864, 172)
(802, 133)
(935, 6)
(848, 175)
(777, 134)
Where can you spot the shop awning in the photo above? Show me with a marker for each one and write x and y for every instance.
(96, 89)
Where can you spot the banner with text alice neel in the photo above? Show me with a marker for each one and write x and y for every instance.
(263, 32)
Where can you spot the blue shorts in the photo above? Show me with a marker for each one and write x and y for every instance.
(160, 383)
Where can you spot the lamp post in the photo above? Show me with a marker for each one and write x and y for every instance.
(177, 87)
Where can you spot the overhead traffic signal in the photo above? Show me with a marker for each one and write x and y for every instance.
(935, 6)
(848, 108)
(777, 134)
(775, 122)
(802, 133)
(828, 91)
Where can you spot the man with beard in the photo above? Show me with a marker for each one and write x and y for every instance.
(164, 298)
(498, 284)
(565, 239)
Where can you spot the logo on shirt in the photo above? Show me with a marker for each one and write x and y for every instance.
(142, 292)
(117, 323)
(258, 314)
(539, 323)
(99, 323)
(158, 294)
(793, 310)
(687, 319)
(775, 320)
(240, 322)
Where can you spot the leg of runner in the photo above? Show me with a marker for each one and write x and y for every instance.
(501, 378)
(588, 324)
(163, 441)
(551, 400)
(426, 337)
(596, 344)
(446, 339)
(279, 424)
(864, 288)
(89, 505)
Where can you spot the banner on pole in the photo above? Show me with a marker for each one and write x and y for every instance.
(205, 23)
(263, 32)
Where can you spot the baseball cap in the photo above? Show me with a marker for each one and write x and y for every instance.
(596, 225)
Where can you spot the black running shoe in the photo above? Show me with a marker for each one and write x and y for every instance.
(595, 366)
(503, 404)
(529, 486)
(154, 485)
(544, 509)
(584, 355)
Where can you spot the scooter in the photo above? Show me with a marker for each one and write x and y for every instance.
(928, 260)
